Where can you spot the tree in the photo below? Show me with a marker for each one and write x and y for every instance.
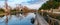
(57, 0)
(1, 10)
(50, 4)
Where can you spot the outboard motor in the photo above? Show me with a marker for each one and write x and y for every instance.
(32, 20)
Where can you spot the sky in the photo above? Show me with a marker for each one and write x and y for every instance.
(32, 4)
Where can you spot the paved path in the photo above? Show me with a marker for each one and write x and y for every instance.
(40, 20)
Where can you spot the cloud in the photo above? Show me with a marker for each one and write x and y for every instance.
(1, 0)
(31, 2)
(35, 4)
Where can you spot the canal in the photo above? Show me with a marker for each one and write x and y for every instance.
(15, 20)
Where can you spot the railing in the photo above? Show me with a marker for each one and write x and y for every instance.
(50, 20)
(53, 21)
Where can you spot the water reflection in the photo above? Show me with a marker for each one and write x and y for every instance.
(23, 19)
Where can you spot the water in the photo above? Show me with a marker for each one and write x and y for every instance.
(18, 20)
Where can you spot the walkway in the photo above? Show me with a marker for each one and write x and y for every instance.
(40, 20)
